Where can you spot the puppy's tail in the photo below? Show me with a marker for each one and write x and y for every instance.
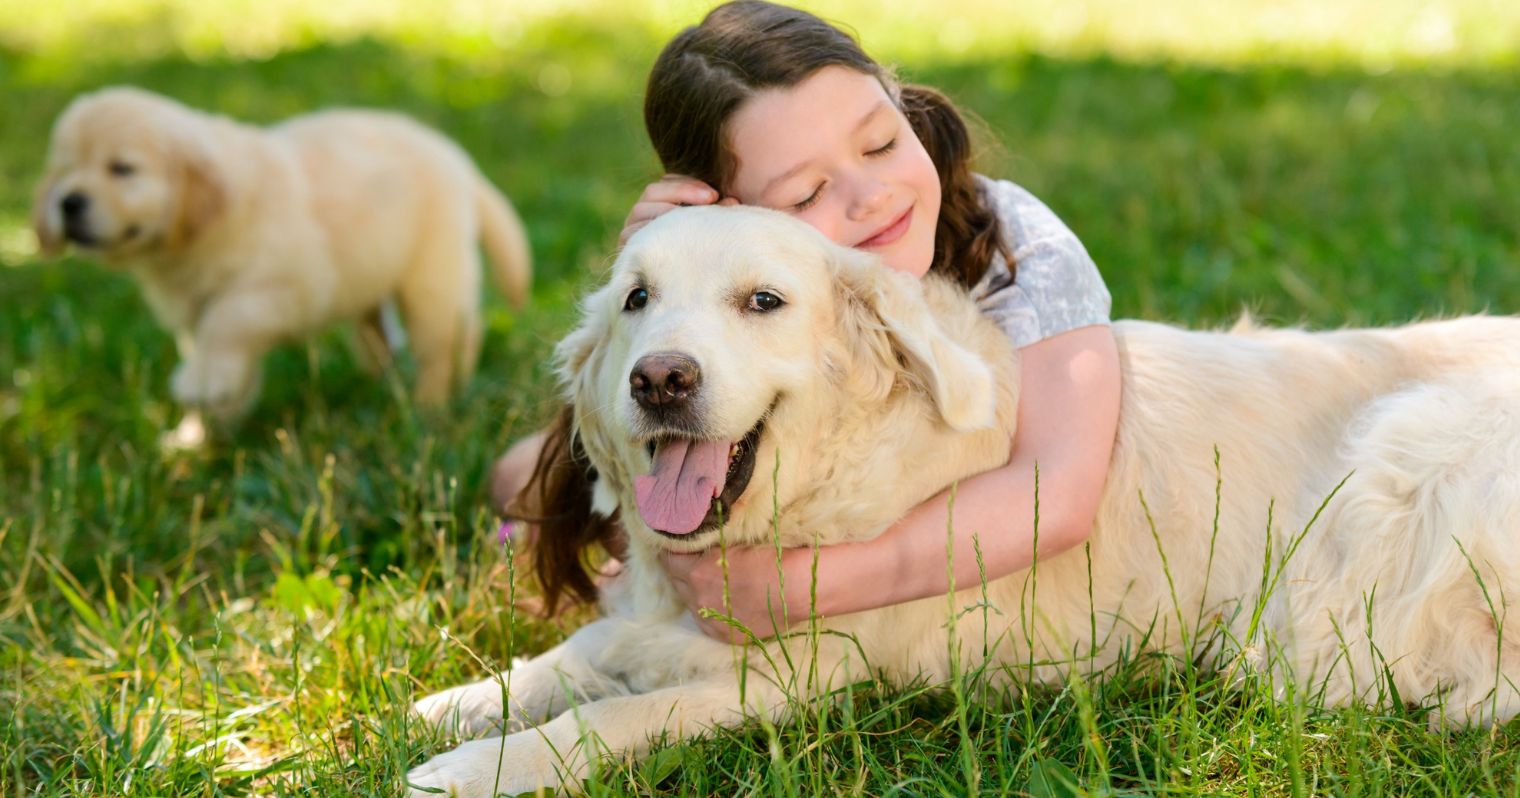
(506, 243)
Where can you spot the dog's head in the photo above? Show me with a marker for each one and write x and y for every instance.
(129, 173)
(730, 339)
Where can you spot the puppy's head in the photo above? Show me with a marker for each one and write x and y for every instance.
(129, 173)
(730, 338)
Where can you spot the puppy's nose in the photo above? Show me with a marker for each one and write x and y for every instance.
(73, 204)
(663, 381)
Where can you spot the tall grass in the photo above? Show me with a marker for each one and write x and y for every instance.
(255, 618)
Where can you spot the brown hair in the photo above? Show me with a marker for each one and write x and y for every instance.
(701, 77)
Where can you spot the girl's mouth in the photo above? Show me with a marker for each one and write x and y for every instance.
(891, 232)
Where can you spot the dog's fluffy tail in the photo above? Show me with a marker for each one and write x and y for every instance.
(506, 243)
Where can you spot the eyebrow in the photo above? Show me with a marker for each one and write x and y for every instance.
(792, 172)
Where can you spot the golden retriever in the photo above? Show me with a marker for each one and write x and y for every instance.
(738, 362)
(242, 237)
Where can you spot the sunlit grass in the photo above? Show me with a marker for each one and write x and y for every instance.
(1368, 33)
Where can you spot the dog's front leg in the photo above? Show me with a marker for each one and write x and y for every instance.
(220, 373)
(530, 693)
(560, 752)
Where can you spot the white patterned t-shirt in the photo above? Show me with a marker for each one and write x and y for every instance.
(1055, 286)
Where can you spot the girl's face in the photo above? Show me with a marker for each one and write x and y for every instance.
(836, 152)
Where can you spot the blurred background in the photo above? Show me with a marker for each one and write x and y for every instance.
(1320, 163)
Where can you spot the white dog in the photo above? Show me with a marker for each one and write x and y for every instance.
(731, 339)
(243, 237)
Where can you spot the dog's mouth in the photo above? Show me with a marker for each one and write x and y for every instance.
(80, 234)
(694, 483)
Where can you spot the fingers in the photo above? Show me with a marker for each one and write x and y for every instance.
(664, 195)
(679, 190)
(643, 213)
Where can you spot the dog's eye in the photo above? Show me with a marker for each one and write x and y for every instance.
(636, 300)
(121, 168)
(764, 301)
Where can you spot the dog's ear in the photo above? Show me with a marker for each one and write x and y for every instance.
(891, 320)
(203, 193)
(577, 359)
(49, 238)
(573, 354)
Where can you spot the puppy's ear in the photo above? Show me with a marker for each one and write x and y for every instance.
(890, 308)
(203, 194)
(49, 237)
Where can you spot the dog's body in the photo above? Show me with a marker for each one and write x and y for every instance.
(870, 404)
(242, 237)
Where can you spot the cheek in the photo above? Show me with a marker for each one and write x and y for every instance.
(827, 217)
(147, 198)
(918, 169)
(781, 352)
(609, 398)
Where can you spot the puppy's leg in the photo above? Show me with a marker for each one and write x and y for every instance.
(191, 432)
(561, 752)
(440, 302)
(530, 693)
(221, 373)
(371, 346)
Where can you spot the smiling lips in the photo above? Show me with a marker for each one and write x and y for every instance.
(890, 233)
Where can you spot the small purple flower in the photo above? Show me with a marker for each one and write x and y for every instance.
(507, 530)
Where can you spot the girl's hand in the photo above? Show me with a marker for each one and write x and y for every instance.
(754, 588)
(666, 194)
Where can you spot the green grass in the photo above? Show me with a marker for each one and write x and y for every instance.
(254, 619)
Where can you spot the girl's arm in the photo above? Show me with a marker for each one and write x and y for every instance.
(1068, 414)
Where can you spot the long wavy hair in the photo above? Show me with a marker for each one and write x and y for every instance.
(698, 81)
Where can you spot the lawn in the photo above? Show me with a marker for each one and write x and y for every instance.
(255, 618)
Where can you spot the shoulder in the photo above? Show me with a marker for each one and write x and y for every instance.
(1052, 286)
(1023, 216)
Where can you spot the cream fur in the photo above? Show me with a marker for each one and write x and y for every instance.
(242, 237)
(884, 395)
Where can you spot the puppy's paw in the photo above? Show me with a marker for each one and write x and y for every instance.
(221, 385)
(190, 434)
(485, 768)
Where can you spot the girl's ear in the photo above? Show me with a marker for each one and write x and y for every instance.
(886, 317)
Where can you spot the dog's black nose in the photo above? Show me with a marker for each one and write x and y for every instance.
(73, 204)
(664, 381)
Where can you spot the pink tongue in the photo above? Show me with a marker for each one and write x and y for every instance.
(686, 477)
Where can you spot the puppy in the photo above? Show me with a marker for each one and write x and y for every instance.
(243, 237)
(742, 380)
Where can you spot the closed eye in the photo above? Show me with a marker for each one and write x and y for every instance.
(811, 200)
(121, 169)
(884, 149)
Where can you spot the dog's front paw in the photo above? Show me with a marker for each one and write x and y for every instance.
(468, 710)
(222, 385)
(485, 768)
(190, 434)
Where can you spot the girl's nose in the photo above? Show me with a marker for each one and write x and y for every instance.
(870, 198)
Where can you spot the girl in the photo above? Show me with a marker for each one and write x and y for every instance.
(768, 105)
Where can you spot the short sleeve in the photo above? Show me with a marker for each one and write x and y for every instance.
(1054, 287)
